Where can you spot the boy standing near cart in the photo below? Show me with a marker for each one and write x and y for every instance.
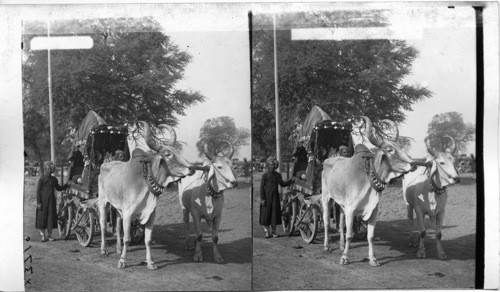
(270, 203)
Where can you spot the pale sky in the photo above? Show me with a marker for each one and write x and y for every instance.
(446, 66)
(220, 70)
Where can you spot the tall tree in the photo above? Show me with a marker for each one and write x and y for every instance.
(217, 130)
(451, 124)
(128, 75)
(345, 78)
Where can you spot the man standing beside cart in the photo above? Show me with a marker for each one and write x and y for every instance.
(270, 205)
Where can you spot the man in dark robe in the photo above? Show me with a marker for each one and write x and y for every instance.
(270, 208)
(46, 212)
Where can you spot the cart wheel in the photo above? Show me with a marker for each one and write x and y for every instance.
(359, 228)
(85, 229)
(309, 225)
(289, 215)
(64, 221)
(136, 232)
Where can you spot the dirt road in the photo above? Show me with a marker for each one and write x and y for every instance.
(67, 266)
(288, 263)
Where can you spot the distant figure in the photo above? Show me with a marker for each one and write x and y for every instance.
(120, 155)
(46, 212)
(270, 202)
(246, 170)
(344, 151)
(300, 163)
(332, 152)
(473, 166)
(76, 163)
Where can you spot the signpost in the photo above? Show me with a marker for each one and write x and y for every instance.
(57, 43)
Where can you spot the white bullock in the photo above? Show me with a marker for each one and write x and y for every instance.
(132, 188)
(424, 192)
(201, 195)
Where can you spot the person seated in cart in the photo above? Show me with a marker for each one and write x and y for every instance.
(300, 158)
(76, 162)
(270, 199)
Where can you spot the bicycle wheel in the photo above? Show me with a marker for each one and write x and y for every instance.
(64, 220)
(289, 215)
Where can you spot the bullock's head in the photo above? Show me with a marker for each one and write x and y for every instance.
(220, 175)
(443, 171)
(168, 162)
(390, 157)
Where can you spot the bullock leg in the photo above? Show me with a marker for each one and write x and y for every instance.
(409, 215)
(372, 221)
(118, 232)
(185, 218)
(122, 263)
(439, 224)
(199, 236)
(421, 226)
(147, 240)
(349, 218)
(102, 223)
(326, 219)
(215, 239)
(342, 231)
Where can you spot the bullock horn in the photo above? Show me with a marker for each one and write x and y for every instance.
(173, 135)
(393, 128)
(369, 132)
(147, 136)
(428, 145)
(232, 149)
(207, 153)
(452, 147)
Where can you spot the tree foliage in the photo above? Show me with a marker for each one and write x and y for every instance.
(128, 75)
(217, 130)
(347, 78)
(453, 125)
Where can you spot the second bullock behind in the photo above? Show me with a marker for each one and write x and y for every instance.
(201, 195)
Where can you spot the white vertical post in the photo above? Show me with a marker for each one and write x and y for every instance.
(276, 97)
(51, 110)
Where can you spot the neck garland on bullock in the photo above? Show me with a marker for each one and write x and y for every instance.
(153, 185)
(375, 174)
(433, 177)
(212, 180)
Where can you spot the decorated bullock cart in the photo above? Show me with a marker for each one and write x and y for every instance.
(78, 207)
(321, 138)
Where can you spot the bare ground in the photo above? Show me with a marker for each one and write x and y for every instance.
(67, 266)
(288, 263)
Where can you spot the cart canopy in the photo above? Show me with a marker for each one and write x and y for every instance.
(315, 115)
(91, 119)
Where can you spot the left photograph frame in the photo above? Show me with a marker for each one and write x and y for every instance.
(135, 146)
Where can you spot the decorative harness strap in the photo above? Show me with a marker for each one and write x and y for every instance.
(210, 191)
(147, 173)
(434, 188)
(375, 181)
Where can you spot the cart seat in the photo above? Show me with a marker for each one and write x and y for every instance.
(303, 187)
(78, 190)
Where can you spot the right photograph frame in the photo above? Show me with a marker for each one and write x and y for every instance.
(367, 126)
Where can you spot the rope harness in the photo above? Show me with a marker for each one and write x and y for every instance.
(210, 191)
(434, 188)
